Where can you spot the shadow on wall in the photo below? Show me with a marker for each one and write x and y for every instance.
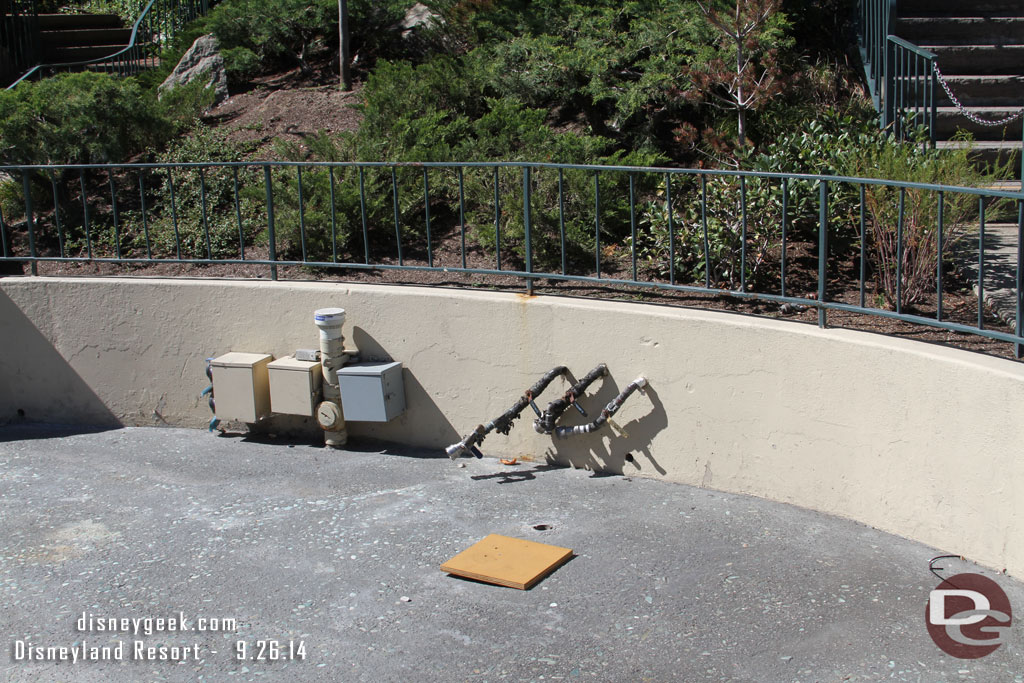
(626, 450)
(421, 412)
(38, 384)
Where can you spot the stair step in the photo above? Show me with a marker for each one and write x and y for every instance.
(962, 30)
(57, 22)
(922, 8)
(90, 36)
(948, 120)
(1000, 90)
(978, 59)
(988, 152)
(81, 53)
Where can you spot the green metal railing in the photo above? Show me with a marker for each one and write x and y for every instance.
(729, 233)
(158, 23)
(900, 75)
(910, 86)
(875, 19)
(19, 37)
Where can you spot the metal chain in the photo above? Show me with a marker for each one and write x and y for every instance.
(963, 110)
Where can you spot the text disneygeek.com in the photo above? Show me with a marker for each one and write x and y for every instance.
(82, 650)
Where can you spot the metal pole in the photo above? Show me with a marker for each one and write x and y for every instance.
(343, 46)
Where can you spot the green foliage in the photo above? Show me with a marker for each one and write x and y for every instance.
(259, 35)
(176, 218)
(78, 118)
(618, 66)
(270, 31)
(12, 200)
(184, 104)
(906, 282)
(714, 219)
(308, 226)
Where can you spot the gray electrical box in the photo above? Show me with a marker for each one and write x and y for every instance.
(372, 392)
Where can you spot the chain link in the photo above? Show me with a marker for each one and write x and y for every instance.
(963, 110)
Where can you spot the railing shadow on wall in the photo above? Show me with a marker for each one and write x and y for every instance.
(826, 243)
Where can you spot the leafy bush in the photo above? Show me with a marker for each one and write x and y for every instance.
(177, 222)
(259, 35)
(730, 201)
(78, 118)
(915, 162)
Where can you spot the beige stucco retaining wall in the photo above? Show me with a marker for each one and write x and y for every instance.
(918, 440)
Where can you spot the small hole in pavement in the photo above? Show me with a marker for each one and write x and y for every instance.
(542, 527)
(629, 457)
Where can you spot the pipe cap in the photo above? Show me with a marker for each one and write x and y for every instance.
(329, 317)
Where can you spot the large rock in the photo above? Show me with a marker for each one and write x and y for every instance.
(202, 60)
(417, 18)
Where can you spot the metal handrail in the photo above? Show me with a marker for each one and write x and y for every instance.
(876, 19)
(901, 76)
(129, 225)
(910, 86)
(159, 22)
(19, 37)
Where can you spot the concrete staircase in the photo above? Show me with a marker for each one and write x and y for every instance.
(979, 47)
(79, 37)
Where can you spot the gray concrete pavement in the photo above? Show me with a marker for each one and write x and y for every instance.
(1000, 281)
(339, 552)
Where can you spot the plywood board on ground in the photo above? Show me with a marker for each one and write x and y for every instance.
(507, 561)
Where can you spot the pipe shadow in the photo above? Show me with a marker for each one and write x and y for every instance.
(516, 476)
(609, 450)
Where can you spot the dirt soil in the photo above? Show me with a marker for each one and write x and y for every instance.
(286, 106)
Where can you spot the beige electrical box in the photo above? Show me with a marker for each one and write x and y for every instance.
(294, 386)
(241, 386)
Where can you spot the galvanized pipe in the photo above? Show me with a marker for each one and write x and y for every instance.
(503, 423)
(609, 410)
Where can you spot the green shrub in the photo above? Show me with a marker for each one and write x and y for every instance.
(78, 118)
(915, 162)
(723, 217)
(175, 215)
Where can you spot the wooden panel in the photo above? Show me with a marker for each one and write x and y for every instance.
(506, 561)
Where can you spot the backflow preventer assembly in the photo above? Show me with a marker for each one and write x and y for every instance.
(324, 384)
(546, 421)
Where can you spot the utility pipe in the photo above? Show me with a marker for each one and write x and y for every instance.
(609, 410)
(503, 423)
(332, 358)
(545, 423)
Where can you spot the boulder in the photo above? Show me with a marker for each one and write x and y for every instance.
(418, 17)
(203, 60)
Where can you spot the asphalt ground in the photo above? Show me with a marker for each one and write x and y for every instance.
(334, 555)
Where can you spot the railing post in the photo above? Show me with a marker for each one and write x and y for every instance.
(272, 246)
(822, 249)
(29, 222)
(3, 235)
(526, 229)
(887, 98)
(931, 100)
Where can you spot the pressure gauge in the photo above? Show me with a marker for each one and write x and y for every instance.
(328, 415)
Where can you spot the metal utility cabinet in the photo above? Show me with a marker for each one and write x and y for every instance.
(372, 392)
(241, 387)
(294, 386)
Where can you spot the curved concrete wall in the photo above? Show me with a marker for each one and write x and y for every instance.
(914, 439)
